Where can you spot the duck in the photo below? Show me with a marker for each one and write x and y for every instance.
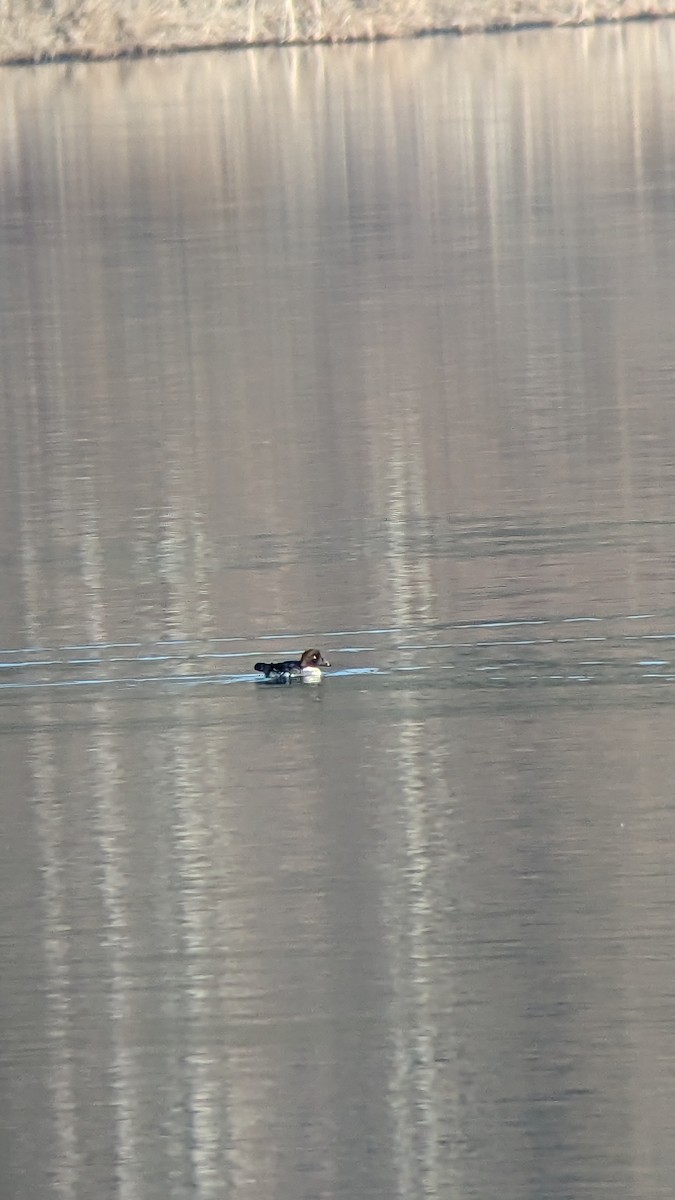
(306, 669)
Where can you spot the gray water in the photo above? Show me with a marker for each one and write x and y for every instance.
(370, 348)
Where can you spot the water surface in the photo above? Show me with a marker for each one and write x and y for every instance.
(369, 348)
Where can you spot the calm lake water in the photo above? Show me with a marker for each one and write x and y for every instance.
(370, 348)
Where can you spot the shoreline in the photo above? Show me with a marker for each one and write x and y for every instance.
(131, 29)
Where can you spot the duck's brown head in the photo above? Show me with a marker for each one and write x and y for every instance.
(313, 658)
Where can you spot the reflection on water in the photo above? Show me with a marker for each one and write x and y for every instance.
(370, 348)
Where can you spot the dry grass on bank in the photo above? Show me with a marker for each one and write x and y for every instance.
(35, 30)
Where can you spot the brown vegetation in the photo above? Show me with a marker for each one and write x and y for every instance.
(35, 30)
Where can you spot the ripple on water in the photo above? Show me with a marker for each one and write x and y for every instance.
(498, 652)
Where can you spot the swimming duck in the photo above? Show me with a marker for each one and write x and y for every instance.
(306, 669)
